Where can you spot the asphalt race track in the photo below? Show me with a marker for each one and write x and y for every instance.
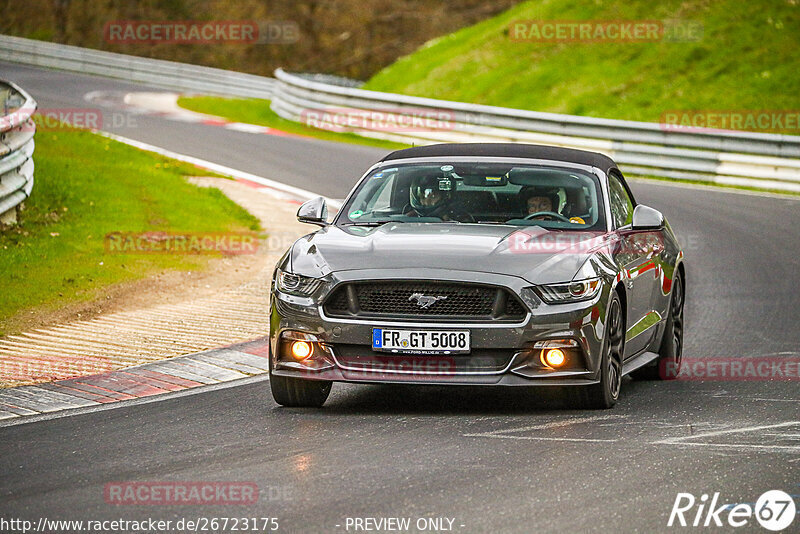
(490, 460)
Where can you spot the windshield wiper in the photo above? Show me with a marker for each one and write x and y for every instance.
(370, 223)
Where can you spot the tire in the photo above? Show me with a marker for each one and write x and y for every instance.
(670, 351)
(604, 395)
(298, 392)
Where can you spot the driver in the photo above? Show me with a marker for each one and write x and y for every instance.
(535, 200)
(428, 199)
(536, 204)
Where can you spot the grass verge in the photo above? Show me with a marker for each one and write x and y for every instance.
(743, 59)
(88, 186)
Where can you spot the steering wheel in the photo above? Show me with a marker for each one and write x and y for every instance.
(551, 214)
(470, 218)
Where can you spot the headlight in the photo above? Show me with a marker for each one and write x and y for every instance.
(295, 284)
(574, 291)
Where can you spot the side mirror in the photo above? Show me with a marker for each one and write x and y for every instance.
(314, 211)
(647, 218)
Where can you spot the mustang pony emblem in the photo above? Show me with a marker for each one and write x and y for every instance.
(425, 301)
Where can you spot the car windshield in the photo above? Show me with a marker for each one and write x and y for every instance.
(482, 193)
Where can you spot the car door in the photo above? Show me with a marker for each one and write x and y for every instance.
(633, 255)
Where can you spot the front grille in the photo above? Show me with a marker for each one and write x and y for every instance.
(479, 361)
(415, 299)
(514, 308)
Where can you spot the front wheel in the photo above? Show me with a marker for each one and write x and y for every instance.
(605, 394)
(299, 392)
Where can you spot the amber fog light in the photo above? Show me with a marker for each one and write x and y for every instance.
(559, 353)
(301, 350)
(553, 357)
(304, 351)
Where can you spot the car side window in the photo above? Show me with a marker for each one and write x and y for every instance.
(621, 202)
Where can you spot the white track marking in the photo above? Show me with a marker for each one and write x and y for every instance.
(690, 441)
(504, 433)
(732, 431)
(537, 438)
(763, 399)
(741, 446)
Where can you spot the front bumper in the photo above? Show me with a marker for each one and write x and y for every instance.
(501, 354)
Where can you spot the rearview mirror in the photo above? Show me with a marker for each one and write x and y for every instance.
(314, 211)
(647, 218)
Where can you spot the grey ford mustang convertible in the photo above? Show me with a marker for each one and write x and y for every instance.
(479, 264)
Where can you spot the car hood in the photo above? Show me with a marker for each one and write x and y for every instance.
(533, 253)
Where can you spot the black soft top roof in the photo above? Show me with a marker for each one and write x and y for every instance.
(506, 150)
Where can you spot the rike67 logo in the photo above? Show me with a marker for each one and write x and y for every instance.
(774, 510)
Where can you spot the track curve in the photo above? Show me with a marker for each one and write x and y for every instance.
(507, 461)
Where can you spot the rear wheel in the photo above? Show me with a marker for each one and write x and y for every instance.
(670, 352)
(605, 394)
(299, 392)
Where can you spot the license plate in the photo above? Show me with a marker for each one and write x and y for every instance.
(420, 341)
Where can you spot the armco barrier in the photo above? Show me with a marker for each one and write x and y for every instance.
(759, 160)
(160, 73)
(16, 149)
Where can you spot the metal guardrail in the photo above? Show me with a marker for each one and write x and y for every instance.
(760, 160)
(16, 149)
(166, 74)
